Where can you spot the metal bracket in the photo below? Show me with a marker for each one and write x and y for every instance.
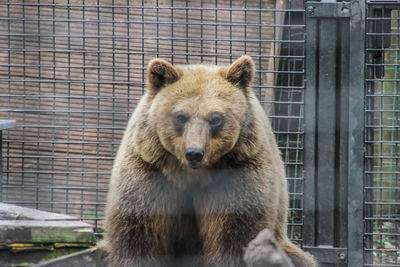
(328, 10)
(328, 254)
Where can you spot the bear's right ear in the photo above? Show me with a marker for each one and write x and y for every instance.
(161, 73)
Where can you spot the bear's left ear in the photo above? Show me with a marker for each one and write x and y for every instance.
(241, 72)
(161, 73)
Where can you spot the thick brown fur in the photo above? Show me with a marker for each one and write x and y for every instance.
(162, 211)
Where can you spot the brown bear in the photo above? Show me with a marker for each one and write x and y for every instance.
(198, 173)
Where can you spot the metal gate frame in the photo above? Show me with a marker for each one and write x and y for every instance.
(334, 122)
(335, 194)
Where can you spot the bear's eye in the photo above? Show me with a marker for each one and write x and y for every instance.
(216, 122)
(180, 120)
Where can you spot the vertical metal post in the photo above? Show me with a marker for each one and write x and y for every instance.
(310, 94)
(356, 134)
(326, 133)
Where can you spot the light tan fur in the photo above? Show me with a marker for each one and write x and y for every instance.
(159, 209)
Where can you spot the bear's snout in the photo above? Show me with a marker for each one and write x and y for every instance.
(194, 155)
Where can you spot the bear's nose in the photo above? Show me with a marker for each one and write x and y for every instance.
(194, 154)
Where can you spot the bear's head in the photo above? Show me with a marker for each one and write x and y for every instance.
(199, 110)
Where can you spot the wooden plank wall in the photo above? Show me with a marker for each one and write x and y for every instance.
(73, 71)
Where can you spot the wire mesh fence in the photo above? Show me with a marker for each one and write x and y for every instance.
(71, 73)
(382, 169)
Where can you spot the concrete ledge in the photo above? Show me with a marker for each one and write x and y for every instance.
(29, 236)
(13, 212)
(25, 225)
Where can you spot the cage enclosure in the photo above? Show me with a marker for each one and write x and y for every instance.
(72, 72)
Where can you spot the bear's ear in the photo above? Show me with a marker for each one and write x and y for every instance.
(161, 73)
(241, 72)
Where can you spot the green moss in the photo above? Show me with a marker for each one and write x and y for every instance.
(46, 235)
